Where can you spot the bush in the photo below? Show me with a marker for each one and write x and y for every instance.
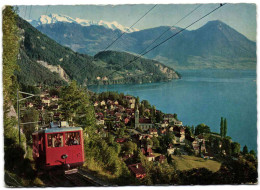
(13, 157)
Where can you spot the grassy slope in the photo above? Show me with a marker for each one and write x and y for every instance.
(185, 162)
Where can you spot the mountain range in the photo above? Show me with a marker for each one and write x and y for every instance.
(42, 60)
(214, 45)
(54, 18)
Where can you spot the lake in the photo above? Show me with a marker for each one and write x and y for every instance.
(204, 96)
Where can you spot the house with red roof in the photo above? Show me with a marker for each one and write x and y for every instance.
(46, 101)
(153, 132)
(138, 170)
(148, 152)
(126, 120)
(120, 140)
(150, 157)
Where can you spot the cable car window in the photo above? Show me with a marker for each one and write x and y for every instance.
(72, 138)
(55, 140)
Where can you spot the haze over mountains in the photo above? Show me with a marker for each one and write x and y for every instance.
(214, 45)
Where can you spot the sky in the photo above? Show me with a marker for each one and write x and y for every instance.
(241, 17)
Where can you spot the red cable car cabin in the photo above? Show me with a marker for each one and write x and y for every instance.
(58, 147)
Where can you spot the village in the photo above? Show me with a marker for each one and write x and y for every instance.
(143, 132)
(157, 135)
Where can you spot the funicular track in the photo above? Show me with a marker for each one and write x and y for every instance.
(79, 179)
(71, 180)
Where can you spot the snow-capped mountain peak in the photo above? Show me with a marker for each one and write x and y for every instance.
(54, 18)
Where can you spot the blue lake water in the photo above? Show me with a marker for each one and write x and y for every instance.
(205, 96)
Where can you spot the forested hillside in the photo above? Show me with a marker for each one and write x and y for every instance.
(144, 69)
(37, 48)
(17, 168)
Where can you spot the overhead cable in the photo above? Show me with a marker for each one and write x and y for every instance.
(172, 36)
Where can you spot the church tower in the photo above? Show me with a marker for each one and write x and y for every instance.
(136, 117)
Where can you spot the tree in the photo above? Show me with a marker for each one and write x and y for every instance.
(149, 142)
(70, 101)
(235, 148)
(222, 127)
(116, 147)
(110, 139)
(14, 154)
(169, 159)
(146, 104)
(159, 116)
(141, 109)
(245, 150)
(216, 142)
(225, 128)
(192, 130)
(129, 147)
(76, 106)
(202, 128)
(137, 101)
(226, 145)
(168, 139)
(54, 92)
(30, 115)
(153, 114)
(252, 152)
(121, 132)
(188, 131)
(156, 142)
(10, 52)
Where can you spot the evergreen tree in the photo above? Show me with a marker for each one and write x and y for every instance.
(141, 110)
(159, 117)
(137, 101)
(153, 114)
(222, 127)
(225, 128)
(192, 129)
(245, 150)
(252, 152)
(76, 106)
